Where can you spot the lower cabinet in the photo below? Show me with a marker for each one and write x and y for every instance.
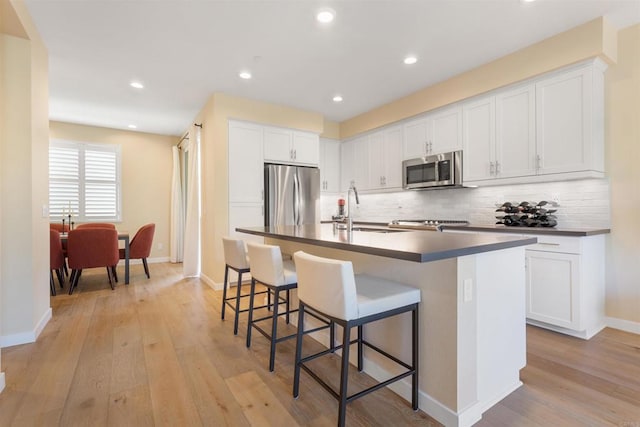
(245, 215)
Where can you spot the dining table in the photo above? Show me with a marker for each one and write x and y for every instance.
(123, 236)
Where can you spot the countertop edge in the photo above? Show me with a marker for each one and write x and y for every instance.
(531, 230)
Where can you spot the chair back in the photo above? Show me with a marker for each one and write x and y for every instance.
(58, 227)
(266, 263)
(92, 247)
(235, 254)
(140, 246)
(56, 253)
(96, 225)
(327, 285)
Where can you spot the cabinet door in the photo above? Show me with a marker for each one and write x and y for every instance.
(347, 161)
(553, 288)
(277, 145)
(245, 163)
(245, 215)
(306, 148)
(478, 162)
(330, 165)
(563, 112)
(361, 163)
(515, 133)
(446, 130)
(393, 157)
(415, 139)
(376, 160)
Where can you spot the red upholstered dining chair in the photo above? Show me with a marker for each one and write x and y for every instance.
(96, 225)
(91, 248)
(140, 246)
(61, 228)
(56, 259)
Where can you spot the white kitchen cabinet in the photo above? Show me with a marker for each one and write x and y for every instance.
(291, 147)
(499, 135)
(329, 165)
(245, 215)
(433, 133)
(355, 164)
(570, 121)
(245, 162)
(385, 159)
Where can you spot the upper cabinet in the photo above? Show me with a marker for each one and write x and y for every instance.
(385, 159)
(245, 162)
(329, 165)
(291, 147)
(354, 168)
(550, 129)
(499, 135)
(570, 121)
(434, 133)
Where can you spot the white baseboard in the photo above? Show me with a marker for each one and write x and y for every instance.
(623, 325)
(26, 337)
(209, 281)
(2, 381)
(149, 260)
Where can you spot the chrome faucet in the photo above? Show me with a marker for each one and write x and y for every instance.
(353, 188)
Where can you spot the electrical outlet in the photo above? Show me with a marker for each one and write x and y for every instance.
(555, 199)
(160, 246)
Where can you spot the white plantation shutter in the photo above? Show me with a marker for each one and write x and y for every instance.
(86, 178)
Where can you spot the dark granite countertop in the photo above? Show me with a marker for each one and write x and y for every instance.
(417, 246)
(555, 231)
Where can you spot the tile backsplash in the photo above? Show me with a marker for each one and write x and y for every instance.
(582, 203)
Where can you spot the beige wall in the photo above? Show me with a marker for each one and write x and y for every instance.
(595, 38)
(24, 289)
(146, 176)
(623, 160)
(215, 197)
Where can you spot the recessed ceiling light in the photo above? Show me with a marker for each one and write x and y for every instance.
(245, 75)
(132, 127)
(337, 98)
(137, 85)
(527, 1)
(409, 60)
(325, 15)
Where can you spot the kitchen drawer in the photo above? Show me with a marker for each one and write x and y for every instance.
(569, 245)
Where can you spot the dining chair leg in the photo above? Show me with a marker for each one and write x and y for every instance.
(109, 275)
(60, 275)
(115, 273)
(51, 284)
(146, 268)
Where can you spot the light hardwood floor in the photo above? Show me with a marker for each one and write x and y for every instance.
(156, 353)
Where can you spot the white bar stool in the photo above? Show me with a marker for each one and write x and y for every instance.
(269, 269)
(330, 288)
(235, 258)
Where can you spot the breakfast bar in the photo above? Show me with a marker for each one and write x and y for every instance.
(472, 314)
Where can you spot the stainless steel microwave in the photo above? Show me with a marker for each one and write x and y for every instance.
(439, 170)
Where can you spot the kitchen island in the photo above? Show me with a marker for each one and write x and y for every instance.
(472, 314)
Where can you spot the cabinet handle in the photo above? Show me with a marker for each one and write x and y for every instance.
(538, 161)
(295, 154)
(549, 244)
(492, 169)
(430, 147)
(426, 148)
(497, 167)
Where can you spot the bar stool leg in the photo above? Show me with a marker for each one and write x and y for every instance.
(296, 370)
(250, 319)
(414, 357)
(274, 330)
(224, 290)
(360, 350)
(287, 307)
(332, 336)
(344, 375)
(239, 286)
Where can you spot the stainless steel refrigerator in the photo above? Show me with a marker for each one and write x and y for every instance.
(292, 195)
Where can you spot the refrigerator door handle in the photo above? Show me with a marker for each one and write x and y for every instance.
(296, 199)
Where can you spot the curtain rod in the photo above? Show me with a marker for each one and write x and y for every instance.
(198, 125)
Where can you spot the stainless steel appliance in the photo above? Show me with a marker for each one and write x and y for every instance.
(437, 171)
(426, 224)
(292, 195)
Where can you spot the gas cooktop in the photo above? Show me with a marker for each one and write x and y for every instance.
(426, 224)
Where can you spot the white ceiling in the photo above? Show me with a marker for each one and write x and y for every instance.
(184, 50)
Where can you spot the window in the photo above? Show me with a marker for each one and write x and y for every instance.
(85, 179)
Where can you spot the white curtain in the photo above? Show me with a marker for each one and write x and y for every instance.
(177, 211)
(191, 263)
